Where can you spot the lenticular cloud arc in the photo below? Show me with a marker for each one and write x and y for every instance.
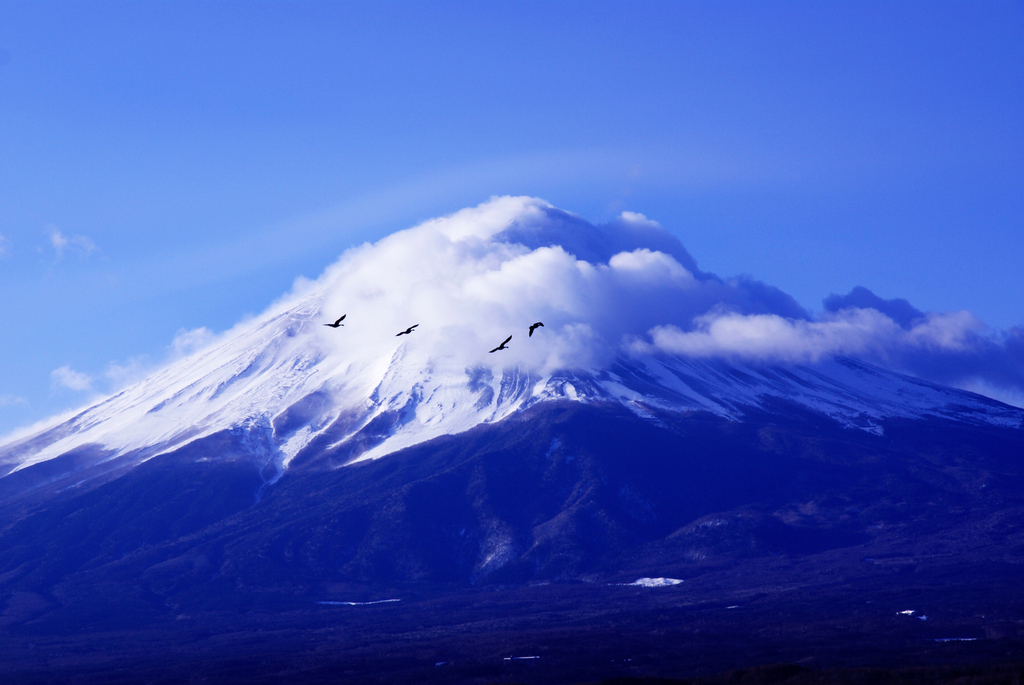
(627, 314)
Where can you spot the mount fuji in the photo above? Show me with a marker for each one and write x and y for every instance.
(671, 449)
(292, 391)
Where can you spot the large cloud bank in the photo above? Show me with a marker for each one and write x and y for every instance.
(481, 274)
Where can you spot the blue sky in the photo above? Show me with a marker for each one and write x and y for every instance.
(171, 166)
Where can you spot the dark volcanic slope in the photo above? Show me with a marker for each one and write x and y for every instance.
(796, 518)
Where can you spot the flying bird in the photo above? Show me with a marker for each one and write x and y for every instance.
(502, 345)
(338, 322)
(407, 330)
(533, 327)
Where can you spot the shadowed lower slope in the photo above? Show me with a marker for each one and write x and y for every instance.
(561, 492)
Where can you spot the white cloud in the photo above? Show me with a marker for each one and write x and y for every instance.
(66, 377)
(469, 288)
(769, 337)
(84, 243)
(473, 278)
(120, 375)
(9, 400)
(3, 245)
(637, 218)
(651, 267)
(945, 331)
(188, 341)
(60, 243)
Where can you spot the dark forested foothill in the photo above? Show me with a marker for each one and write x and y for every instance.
(788, 539)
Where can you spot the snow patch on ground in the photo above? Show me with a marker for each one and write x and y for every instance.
(655, 582)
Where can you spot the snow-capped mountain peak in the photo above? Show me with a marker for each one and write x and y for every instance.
(289, 384)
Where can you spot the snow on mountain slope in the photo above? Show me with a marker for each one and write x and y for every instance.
(287, 383)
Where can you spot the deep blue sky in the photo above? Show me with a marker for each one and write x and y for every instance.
(196, 157)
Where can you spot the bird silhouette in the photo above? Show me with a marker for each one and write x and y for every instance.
(533, 327)
(502, 345)
(407, 330)
(338, 322)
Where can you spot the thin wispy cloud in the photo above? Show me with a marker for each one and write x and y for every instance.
(120, 374)
(67, 378)
(58, 241)
(9, 400)
(61, 243)
(187, 341)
